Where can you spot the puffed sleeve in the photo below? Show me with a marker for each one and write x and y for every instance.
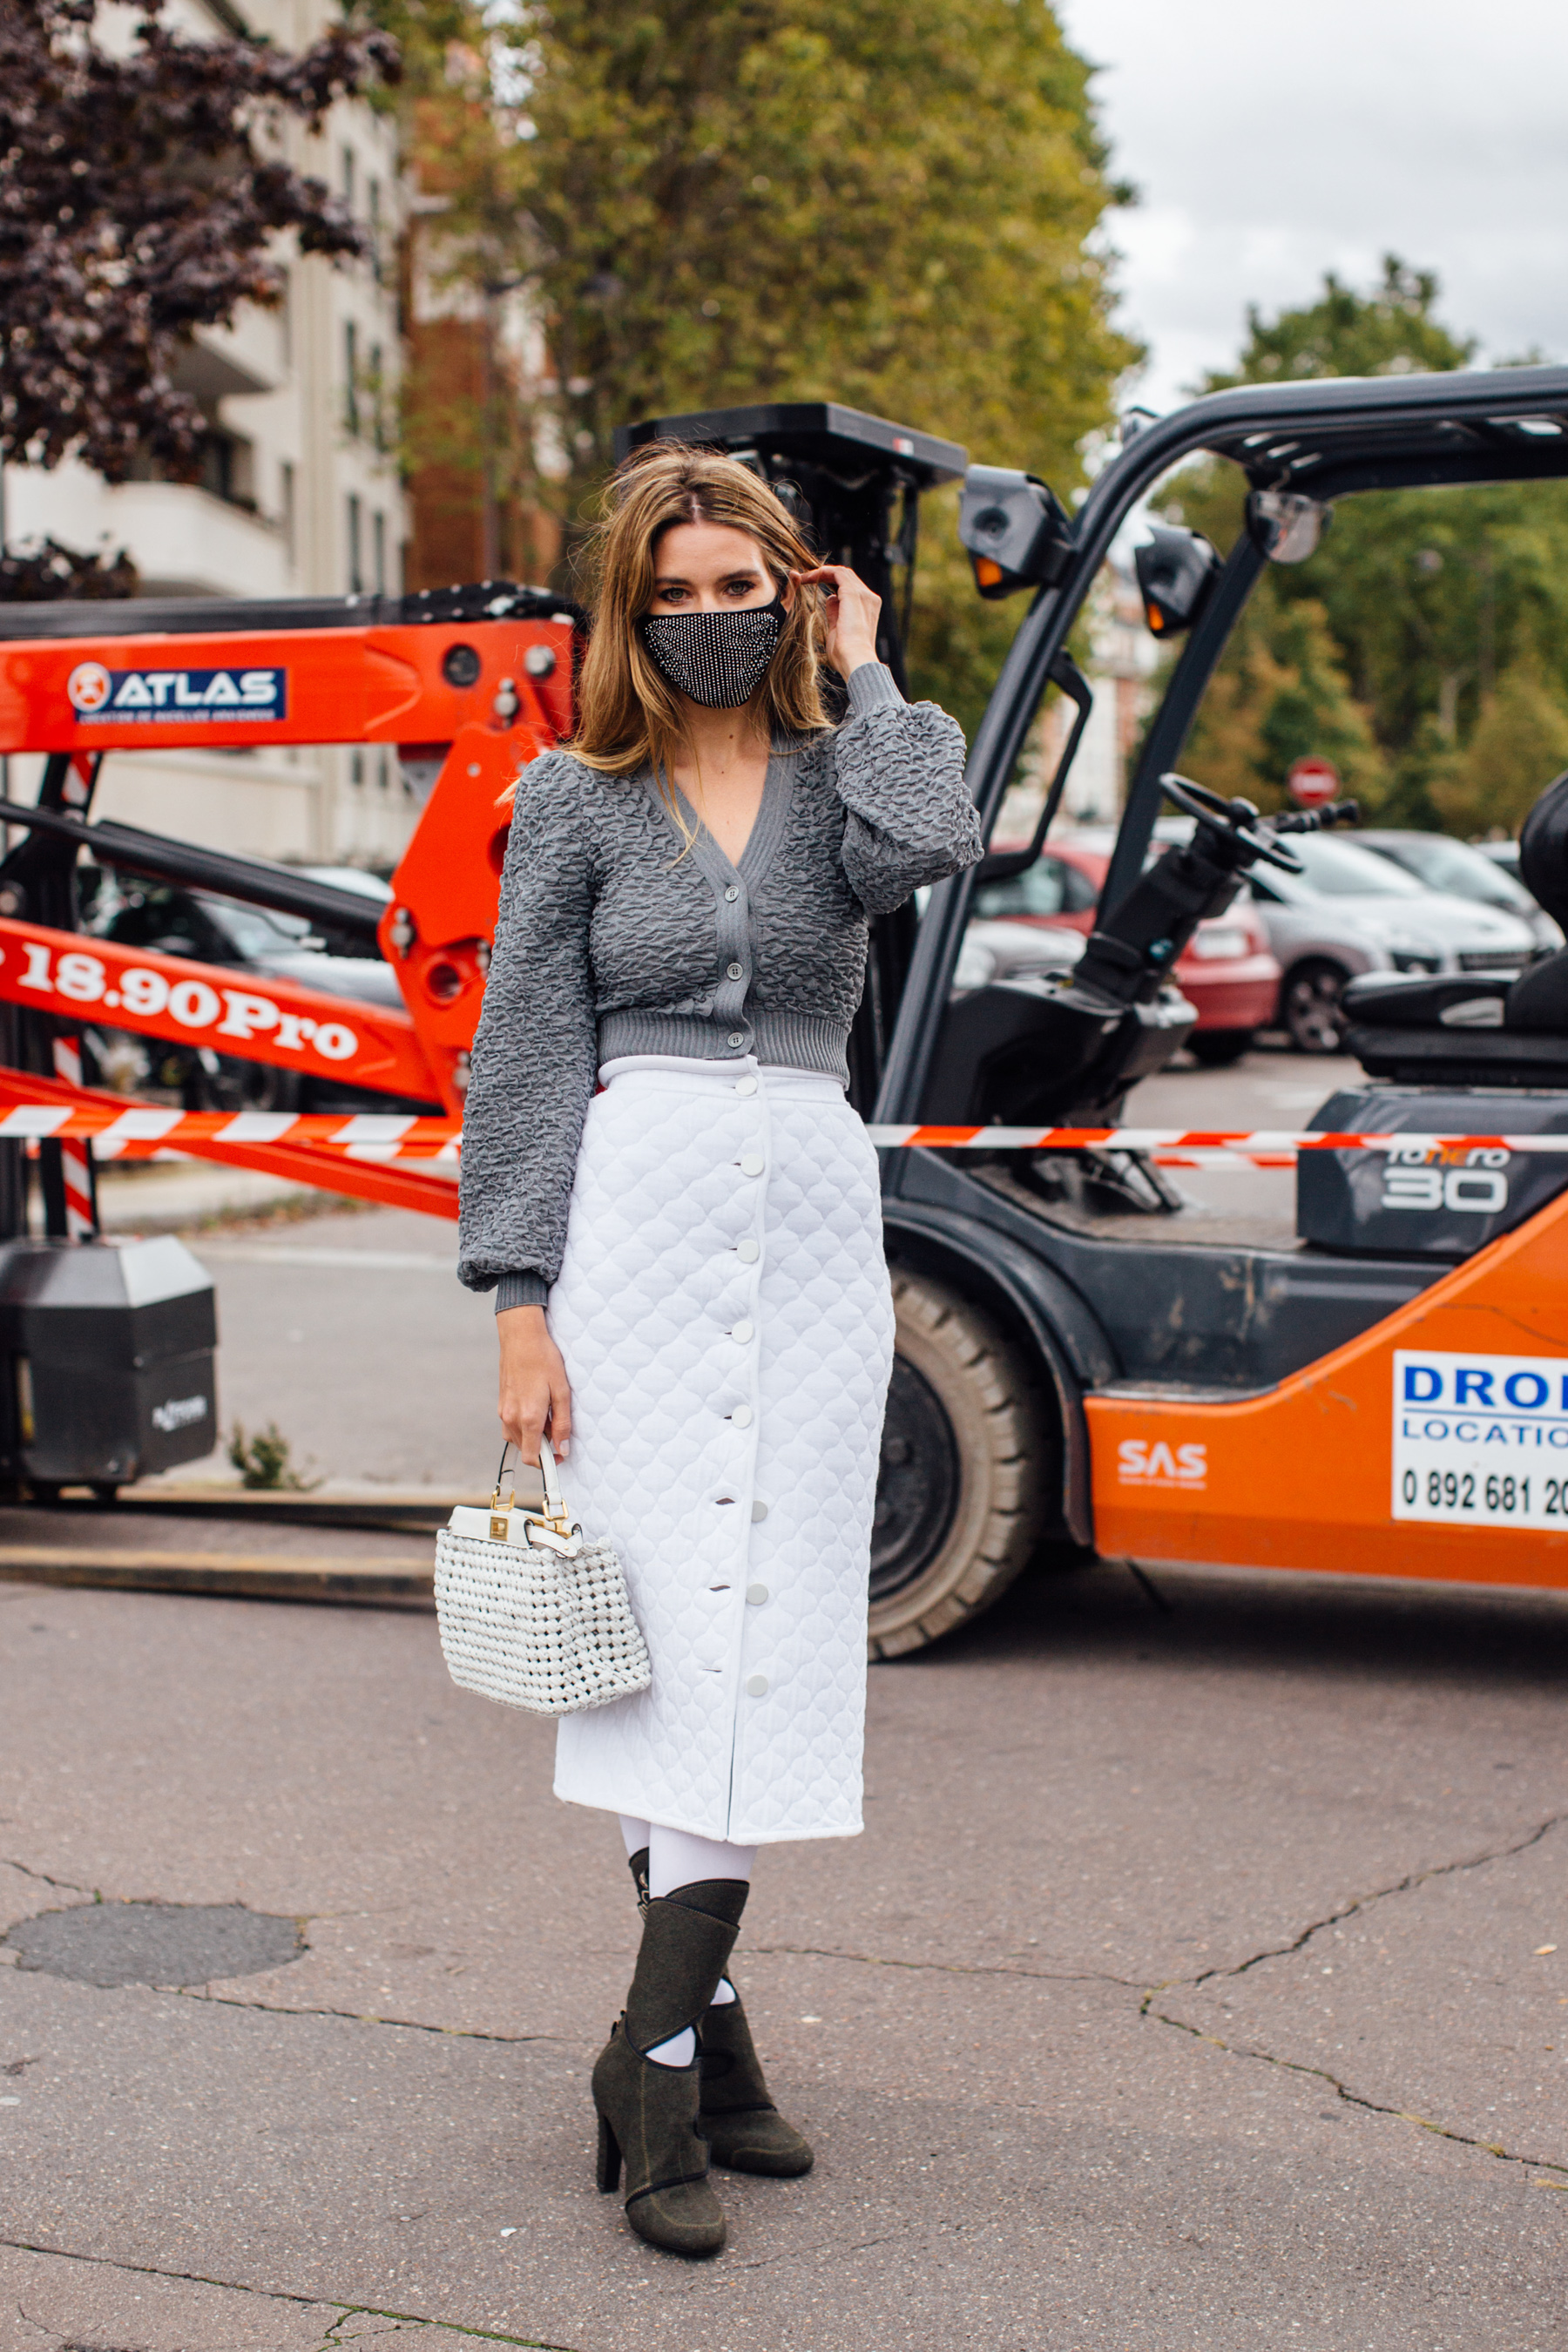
(535, 1062)
(898, 770)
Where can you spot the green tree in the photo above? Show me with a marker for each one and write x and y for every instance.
(1433, 598)
(1390, 332)
(1520, 743)
(885, 202)
(1280, 695)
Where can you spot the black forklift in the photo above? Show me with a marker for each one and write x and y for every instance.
(1028, 1281)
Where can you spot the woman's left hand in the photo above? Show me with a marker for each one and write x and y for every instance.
(849, 615)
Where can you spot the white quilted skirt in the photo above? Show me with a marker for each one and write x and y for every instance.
(724, 1312)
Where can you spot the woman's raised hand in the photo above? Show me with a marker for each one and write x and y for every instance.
(849, 614)
(535, 1395)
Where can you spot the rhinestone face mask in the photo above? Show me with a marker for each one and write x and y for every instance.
(717, 659)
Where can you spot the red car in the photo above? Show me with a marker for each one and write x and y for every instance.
(1228, 973)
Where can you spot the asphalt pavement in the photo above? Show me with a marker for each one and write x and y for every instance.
(1200, 1981)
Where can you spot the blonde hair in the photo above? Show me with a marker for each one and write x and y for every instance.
(628, 717)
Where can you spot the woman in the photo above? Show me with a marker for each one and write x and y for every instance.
(691, 1291)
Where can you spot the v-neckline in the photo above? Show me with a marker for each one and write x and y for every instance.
(762, 842)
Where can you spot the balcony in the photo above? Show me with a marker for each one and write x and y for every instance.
(182, 541)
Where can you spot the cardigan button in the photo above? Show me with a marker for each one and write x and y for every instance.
(731, 893)
(738, 1037)
(756, 1685)
(734, 971)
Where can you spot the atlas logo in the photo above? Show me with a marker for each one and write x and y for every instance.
(1140, 1462)
(157, 696)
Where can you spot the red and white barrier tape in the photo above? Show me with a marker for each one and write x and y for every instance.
(141, 1128)
(76, 1156)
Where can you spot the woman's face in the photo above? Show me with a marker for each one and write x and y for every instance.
(706, 567)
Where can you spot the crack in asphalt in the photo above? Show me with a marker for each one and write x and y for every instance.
(1365, 1902)
(1320, 2074)
(66, 1886)
(1358, 2099)
(361, 2017)
(946, 1967)
(346, 2311)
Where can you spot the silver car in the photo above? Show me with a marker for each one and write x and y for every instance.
(1463, 872)
(1350, 911)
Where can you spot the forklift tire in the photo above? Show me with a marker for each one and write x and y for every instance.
(965, 1447)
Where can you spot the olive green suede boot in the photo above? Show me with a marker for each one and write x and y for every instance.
(647, 2112)
(741, 2124)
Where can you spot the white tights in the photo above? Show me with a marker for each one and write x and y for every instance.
(675, 1859)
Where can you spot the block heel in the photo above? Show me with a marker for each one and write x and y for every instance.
(609, 2160)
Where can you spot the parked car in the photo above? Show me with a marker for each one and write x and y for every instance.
(212, 929)
(1501, 852)
(1464, 872)
(1352, 911)
(1008, 950)
(1228, 974)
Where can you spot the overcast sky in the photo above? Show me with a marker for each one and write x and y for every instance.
(1270, 144)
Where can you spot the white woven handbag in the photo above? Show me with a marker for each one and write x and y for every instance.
(530, 1613)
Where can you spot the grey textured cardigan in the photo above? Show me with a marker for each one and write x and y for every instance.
(610, 942)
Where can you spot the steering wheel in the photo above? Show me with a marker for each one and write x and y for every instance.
(1238, 817)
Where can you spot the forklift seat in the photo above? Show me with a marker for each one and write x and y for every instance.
(1479, 1028)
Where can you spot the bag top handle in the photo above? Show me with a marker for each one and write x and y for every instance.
(555, 1514)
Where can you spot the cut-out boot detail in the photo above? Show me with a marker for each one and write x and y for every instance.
(744, 2128)
(647, 2120)
(637, 1864)
(647, 2112)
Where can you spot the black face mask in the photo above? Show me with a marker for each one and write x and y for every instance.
(719, 659)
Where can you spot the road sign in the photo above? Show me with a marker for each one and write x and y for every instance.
(1313, 782)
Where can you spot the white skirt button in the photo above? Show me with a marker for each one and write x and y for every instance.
(752, 1163)
(742, 1332)
(749, 1251)
(742, 1416)
(759, 1511)
(756, 1594)
(756, 1685)
(747, 1086)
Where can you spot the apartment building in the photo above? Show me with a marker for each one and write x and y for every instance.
(299, 494)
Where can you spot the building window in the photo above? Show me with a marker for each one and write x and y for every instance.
(382, 772)
(229, 469)
(356, 555)
(286, 503)
(351, 376)
(372, 194)
(378, 399)
(356, 767)
(286, 317)
(349, 178)
(378, 550)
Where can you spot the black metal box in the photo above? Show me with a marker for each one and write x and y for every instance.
(106, 1359)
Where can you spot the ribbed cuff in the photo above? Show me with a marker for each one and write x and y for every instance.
(871, 685)
(529, 1289)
